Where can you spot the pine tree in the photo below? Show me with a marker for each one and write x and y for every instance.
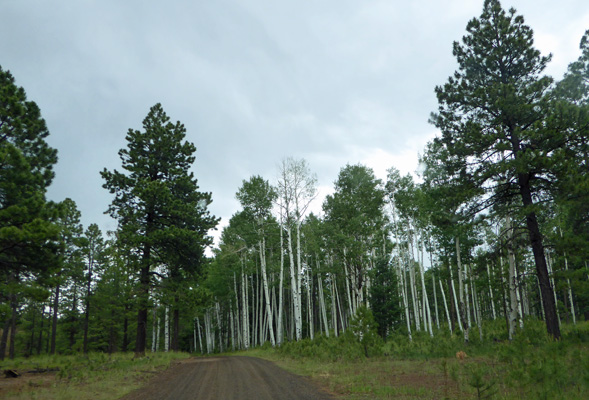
(28, 239)
(492, 113)
(160, 210)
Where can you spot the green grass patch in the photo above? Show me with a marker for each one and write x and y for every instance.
(96, 376)
(532, 366)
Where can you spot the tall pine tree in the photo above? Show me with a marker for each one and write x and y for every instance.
(160, 210)
(28, 239)
(492, 116)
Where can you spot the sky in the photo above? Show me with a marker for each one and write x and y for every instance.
(333, 82)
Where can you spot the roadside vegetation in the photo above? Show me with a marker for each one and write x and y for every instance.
(531, 366)
(96, 376)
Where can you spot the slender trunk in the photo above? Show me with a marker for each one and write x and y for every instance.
(232, 323)
(436, 301)
(55, 312)
(322, 302)
(476, 306)
(244, 310)
(513, 309)
(456, 306)
(426, 310)
(570, 291)
(202, 351)
(279, 327)
(405, 302)
(87, 310)
(219, 326)
(294, 289)
(154, 329)
(167, 329)
(4, 340)
(491, 292)
(551, 279)
(194, 337)
(175, 345)
(462, 314)
(299, 271)
(40, 341)
(445, 306)
(262, 245)
(11, 349)
(412, 285)
(310, 305)
(333, 306)
(73, 318)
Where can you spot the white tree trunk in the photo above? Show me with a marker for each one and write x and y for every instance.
(333, 305)
(404, 296)
(445, 305)
(202, 350)
(550, 272)
(232, 323)
(154, 331)
(279, 327)
(158, 338)
(262, 245)
(244, 310)
(322, 302)
(436, 301)
(167, 330)
(456, 305)
(461, 314)
(412, 285)
(218, 313)
(294, 289)
(310, 304)
(426, 310)
(491, 292)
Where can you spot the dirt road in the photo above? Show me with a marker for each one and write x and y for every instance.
(227, 378)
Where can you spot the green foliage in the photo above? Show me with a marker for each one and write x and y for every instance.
(345, 347)
(384, 298)
(364, 328)
(28, 238)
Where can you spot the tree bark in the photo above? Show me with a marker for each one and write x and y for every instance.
(54, 325)
(11, 349)
(546, 289)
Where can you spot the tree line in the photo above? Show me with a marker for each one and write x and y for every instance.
(495, 227)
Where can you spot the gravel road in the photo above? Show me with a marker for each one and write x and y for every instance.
(227, 378)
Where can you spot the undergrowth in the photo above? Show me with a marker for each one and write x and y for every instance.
(531, 366)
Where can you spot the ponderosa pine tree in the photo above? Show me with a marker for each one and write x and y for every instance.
(492, 113)
(27, 236)
(67, 277)
(93, 249)
(161, 212)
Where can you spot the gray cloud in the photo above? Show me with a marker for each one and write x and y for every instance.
(334, 82)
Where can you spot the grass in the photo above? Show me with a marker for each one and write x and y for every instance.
(96, 376)
(532, 366)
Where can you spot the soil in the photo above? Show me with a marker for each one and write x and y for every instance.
(227, 378)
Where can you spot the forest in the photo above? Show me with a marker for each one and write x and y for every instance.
(490, 237)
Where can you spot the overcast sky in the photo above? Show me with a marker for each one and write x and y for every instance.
(330, 81)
